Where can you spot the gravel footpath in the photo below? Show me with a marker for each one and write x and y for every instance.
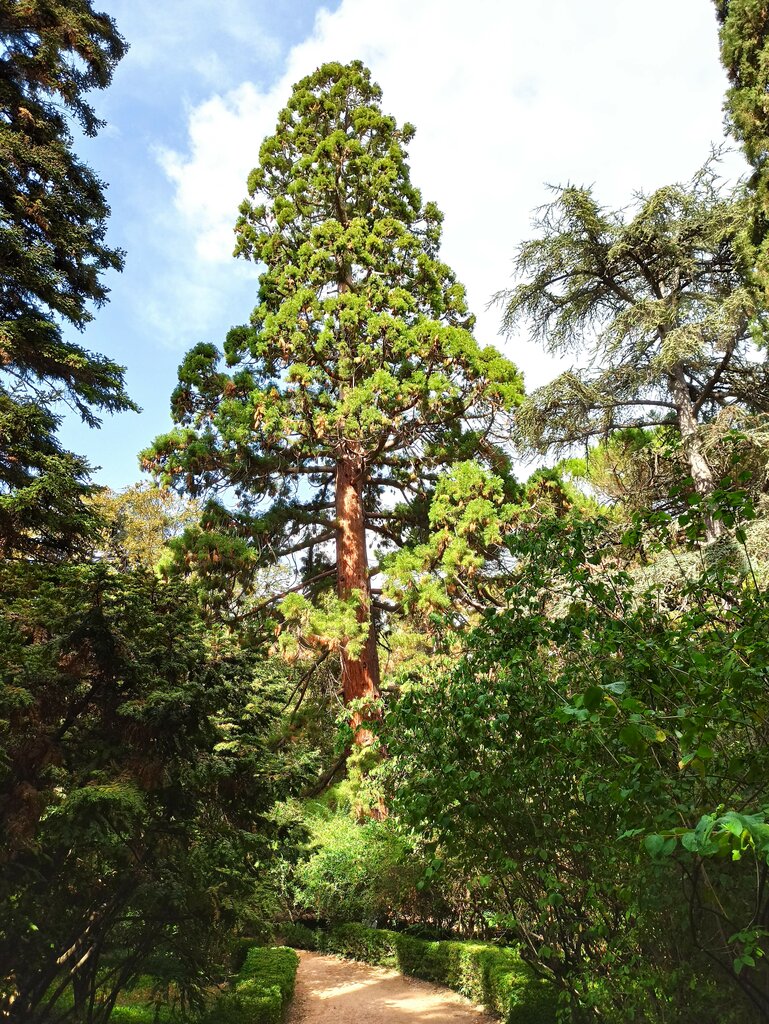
(339, 991)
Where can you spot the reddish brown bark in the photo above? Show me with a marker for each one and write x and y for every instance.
(360, 676)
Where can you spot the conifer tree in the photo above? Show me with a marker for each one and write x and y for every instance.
(357, 378)
(661, 302)
(745, 54)
(52, 256)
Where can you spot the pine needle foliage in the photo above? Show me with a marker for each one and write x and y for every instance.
(52, 207)
(744, 35)
(53, 255)
(358, 368)
(660, 300)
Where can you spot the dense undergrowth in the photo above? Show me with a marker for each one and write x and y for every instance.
(256, 988)
(356, 869)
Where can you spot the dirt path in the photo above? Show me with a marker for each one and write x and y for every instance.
(338, 991)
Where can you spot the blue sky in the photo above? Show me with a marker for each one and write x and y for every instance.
(506, 96)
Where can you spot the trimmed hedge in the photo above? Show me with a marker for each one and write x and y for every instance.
(262, 990)
(239, 950)
(490, 975)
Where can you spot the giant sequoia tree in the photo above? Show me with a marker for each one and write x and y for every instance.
(357, 377)
(52, 256)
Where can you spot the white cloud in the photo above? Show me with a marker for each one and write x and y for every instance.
(506, 95)
(164, 34)
(225, 133)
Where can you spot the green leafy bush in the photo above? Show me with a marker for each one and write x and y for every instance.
(241, 947)
(490, 975)
(373, 872)
(148, 1014)
(354, 871)
(599, 756)
(262, 991)
(299, 936)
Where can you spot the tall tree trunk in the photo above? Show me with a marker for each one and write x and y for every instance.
(702, 474)
(360, 676)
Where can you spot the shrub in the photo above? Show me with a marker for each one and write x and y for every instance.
(262, 991)
(141, 1015)
(600, 755)
(493, 976)
(127, 663)
(299, 936)
(354, 871)
(370, 872)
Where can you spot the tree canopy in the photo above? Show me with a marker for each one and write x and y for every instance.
(662, 304)
(745, 54)
(53, 256)
(135, 768)
(357, 379)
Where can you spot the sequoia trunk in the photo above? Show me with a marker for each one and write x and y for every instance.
(360, 676)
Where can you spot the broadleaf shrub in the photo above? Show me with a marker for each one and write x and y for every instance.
(374, 873)
(600, 756)
(354, 871)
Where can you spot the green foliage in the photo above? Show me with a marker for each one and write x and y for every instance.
(52, 253)
(330, 624)
(141, 1015)
(215, 555)
(641, 470)
(355, 871)
(344, 865)
(262, 990)
(138, 523)
(53, 207)
(468, 516)
(147, 1000)
(359, 351)
(663, 303)
(570, 756)
(136, 781)
(299, 936)
(646, 295)
(44, 490)
(633, 468)
(493, 976)
(745, 55)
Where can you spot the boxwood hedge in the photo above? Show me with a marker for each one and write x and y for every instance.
(493, 976)
(262, 990)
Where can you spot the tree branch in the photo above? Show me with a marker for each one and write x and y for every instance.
(710, 387)
(320, 538)
(277, 597)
